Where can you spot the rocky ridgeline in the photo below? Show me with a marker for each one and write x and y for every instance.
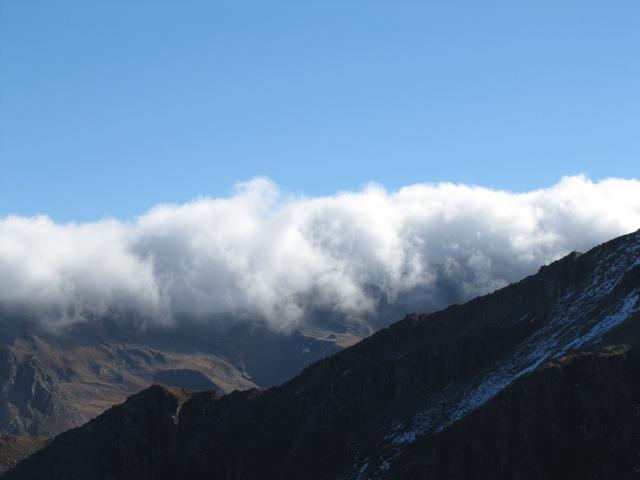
(537, 380)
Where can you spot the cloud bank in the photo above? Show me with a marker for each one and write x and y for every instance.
(264, 254)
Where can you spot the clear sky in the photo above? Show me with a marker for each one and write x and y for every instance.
(108, 108)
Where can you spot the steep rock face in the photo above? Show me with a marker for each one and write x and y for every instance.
(575, 418)
(30, 400)
(373, 410)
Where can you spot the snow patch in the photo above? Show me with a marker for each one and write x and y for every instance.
(575, 321)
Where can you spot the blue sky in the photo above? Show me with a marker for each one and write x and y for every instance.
(108, 108)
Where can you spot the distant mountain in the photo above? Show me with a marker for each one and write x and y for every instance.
(51, 381)
(537, 380)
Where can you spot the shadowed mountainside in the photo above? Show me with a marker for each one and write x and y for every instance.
(51, 381)
(492, 388)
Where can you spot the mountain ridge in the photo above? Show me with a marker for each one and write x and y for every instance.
(358, 413)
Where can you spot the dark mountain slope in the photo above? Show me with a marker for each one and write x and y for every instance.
(362, 412)
(575, 418)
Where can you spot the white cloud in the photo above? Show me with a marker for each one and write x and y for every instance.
(263, 254)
